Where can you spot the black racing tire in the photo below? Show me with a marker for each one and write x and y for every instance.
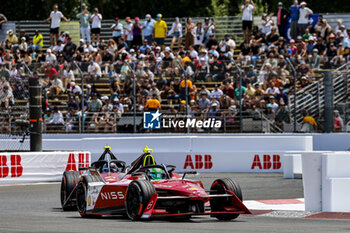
(81, 196)
(69, 181)
(218, 204)
(137, 197)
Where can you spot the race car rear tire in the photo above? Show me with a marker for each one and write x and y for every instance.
(218, 204)
(137, 197)
(68, 194)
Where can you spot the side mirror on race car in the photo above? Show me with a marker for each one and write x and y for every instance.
(189, 173)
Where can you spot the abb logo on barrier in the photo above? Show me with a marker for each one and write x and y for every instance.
(14, 163)
(199, 163)
(83, 161)
(267, 164)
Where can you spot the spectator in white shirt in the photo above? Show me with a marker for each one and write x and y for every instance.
(304, 13)
(57, 118)
(247, 18)
(216, 92)
(227, 46)
(94, 70)
(75, 89)
(50, 57)
(55, 18)
(96, 19)
(198, 34)
(176, 32)
(267, 24)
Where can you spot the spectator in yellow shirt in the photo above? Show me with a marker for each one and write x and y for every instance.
(160, 31)
(153, 104)
(38, 42)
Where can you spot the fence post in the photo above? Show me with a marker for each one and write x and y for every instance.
(318, 100)
(328, 101)
(35, 113)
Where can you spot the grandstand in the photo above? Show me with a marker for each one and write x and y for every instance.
(256, 117)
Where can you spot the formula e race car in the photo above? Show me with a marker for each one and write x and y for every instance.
(147, 190)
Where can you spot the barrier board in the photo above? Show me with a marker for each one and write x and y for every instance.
(30, 167)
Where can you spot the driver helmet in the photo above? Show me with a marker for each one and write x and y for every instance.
(155, 173)
(113, 167)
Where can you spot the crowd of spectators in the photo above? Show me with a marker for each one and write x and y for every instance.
(138, 51)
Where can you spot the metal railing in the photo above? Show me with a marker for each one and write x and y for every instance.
(311, 98)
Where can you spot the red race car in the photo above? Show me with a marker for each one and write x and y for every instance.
(147, 190)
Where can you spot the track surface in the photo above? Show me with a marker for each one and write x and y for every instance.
(36, 208)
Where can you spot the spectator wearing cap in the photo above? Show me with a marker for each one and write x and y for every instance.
(117, 30)
(160, 31)
(315, 60)
(343, 31)
(198, 35)
(267, 23)
(217, 70)
(148, 28)
(304, 13)
(11, 40)
(69, 49)
(96, 19)
(189, 37)
(294, 13)
(74, 89)
(176, 32)
(282, 17)
(204, 103)
(57, 118)
(95, 104)
(306, 34)
(84, 16)
(38, 42)
(23, 46)
(209, 30)
(55, 17)
(137, 33)
(216, 92)
(247, 18)
(227, 45)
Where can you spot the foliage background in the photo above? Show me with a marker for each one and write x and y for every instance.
(40, 9)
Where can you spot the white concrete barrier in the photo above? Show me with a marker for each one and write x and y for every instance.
(226, 153)
(31, 167)
(326, 181)
(292, 166)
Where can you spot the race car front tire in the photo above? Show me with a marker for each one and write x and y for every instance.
(137, 197)
(68, 194)
(217, 204)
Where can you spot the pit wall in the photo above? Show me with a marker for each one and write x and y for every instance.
(202, 153)
(34, 167)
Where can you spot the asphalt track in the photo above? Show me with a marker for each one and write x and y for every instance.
(36, 208)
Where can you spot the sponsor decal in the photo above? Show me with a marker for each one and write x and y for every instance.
(200, 162)
(149, 206)
(193, 189)
(12, 165)
(151, 120)
(155, 120)
(82, 162)
(112, 195)
(267, 164)
(89, 200)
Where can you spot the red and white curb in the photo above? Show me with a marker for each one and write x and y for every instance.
(289, 208)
